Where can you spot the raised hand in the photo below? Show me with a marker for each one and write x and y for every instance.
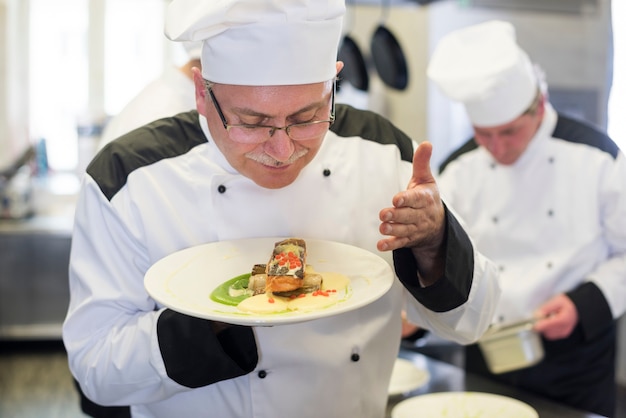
(417, 218)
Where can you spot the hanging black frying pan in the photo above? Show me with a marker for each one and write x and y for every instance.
(388, 56)
(354, 70)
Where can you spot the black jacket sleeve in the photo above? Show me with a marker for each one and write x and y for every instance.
(451, 290)
(594, 313)
(197, 354)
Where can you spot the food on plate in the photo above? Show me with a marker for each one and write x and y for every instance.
(285, 269)
(285, 283)
(333, 289)
(257, 284)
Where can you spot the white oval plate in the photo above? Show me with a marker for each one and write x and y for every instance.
(462, 405)
(183, 281)
(406, 377)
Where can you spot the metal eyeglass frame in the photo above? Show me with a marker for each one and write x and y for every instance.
(272, 129)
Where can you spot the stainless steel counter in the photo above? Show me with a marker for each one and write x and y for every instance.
(445, 377)
(34, 258)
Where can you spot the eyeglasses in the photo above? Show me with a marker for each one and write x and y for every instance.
(257, 134)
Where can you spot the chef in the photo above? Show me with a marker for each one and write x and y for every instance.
(267, 154)
(544, 196)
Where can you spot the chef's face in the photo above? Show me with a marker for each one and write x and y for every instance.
(269, 157)
(507, 142)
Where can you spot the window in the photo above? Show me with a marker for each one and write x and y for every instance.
(58, 76)
(77, 82)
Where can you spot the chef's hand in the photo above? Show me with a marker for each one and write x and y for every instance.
(417, 219)
(559, 317)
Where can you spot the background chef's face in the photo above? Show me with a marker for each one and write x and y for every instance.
(507, 142)
(276, 162)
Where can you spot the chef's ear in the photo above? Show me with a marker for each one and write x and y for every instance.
(201, 91)
(338, 67)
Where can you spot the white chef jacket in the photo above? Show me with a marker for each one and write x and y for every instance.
(552, 221)
(173, 92)
(165, 188)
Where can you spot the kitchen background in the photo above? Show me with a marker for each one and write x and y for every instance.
(69, 64)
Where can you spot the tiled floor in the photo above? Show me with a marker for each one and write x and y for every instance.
(35, 382)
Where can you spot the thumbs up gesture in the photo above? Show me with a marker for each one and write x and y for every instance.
(417, 219)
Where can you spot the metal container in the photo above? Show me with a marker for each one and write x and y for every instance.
(511, 347)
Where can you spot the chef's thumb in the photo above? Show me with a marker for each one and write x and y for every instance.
(421, 164)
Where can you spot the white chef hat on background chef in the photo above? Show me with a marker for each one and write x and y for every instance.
(252, 42)
(483, 67)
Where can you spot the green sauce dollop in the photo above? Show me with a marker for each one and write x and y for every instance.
(221, 294)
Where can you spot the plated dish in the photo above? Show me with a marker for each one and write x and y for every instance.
(184, 281)
(463, 405)
(406, 377)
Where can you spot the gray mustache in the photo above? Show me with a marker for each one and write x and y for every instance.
(269, 161)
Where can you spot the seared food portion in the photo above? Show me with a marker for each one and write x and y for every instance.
(285, 269)
(310, 283)
(285, 275)
(257, 284)
(258, 269)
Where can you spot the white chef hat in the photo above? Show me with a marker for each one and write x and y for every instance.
(483, 67)
(193, 49)
(252, 42)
